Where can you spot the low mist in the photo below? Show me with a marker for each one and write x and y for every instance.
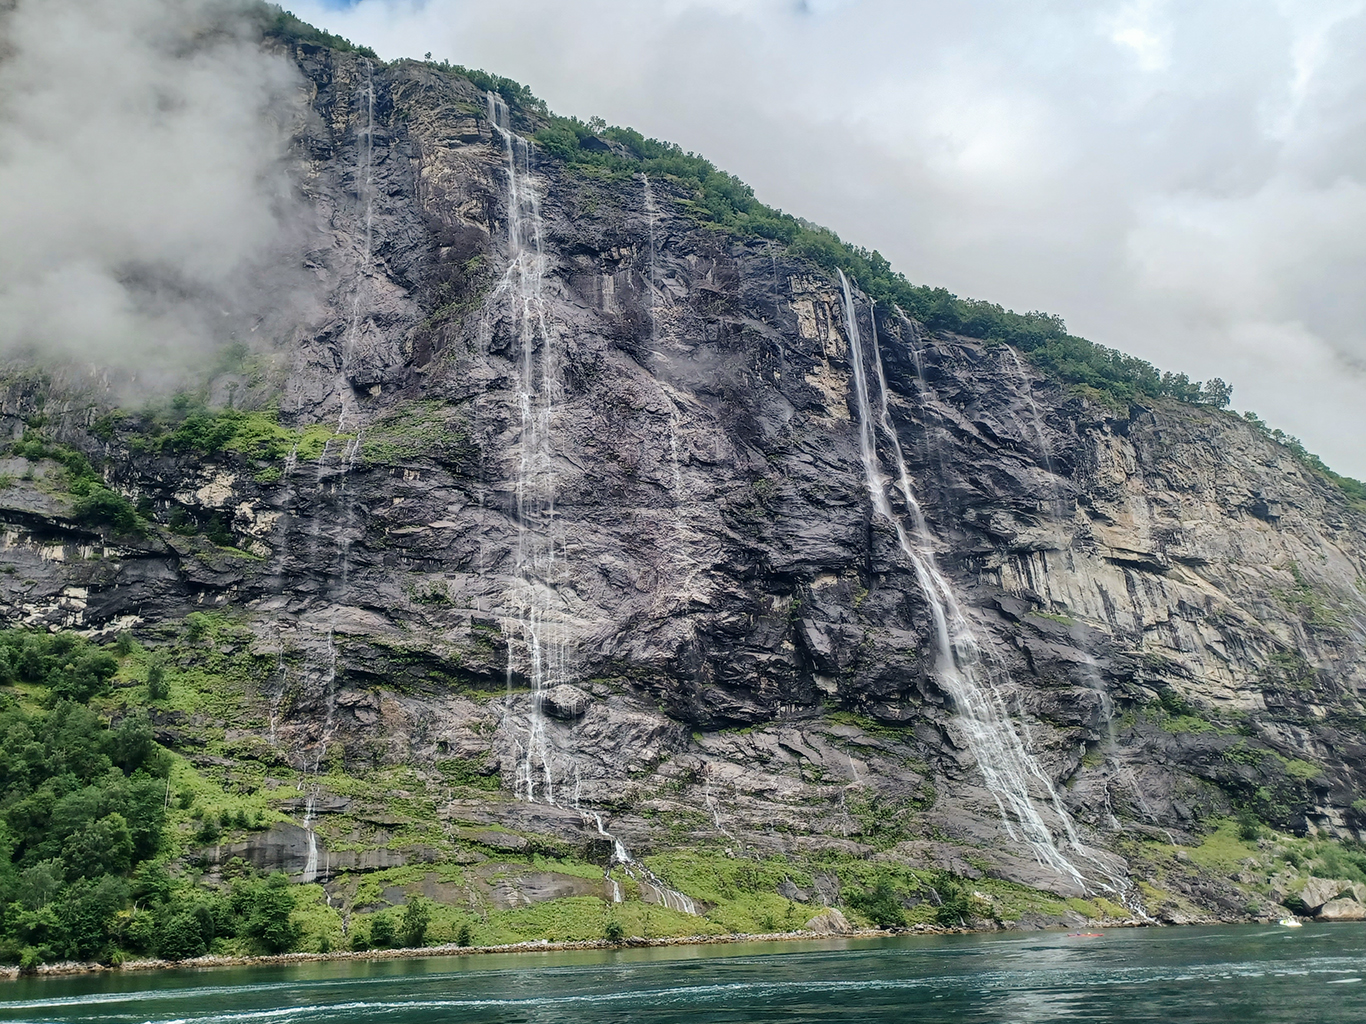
(144, 198)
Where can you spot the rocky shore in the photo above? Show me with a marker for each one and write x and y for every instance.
(533, 946)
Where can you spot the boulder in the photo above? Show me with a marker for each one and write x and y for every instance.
(829, 922)
(1342, 910)
(1318, 891)
(565, 702)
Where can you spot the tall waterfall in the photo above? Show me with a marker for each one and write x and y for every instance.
(1007, 767)
(539, 561)
(365, 199)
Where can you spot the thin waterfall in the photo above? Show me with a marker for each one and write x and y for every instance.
(643, 876)
(922, 388)
(1090, 669)
(350, 451)
(1036, 419)
(534, 593)
(310, 871)
(1007, 768)
(651, 216)
(673, 452)
(650, 213)
(365, 259)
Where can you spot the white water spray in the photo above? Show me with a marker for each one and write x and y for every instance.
(1007, 768)
(650, 214)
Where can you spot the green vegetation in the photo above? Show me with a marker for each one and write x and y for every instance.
(882, 905)
(187, 425)
(1355, 490)
(1308, 603)
(425, 429)
(275, 23)
(96, 504)
(85, 816)
(722, 201)
(104, 830)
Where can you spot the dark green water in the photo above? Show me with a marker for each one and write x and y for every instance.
(1244, 974)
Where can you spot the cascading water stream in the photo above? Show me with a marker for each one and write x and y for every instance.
(310, 871)
(365, 199)
(534, 595)
(1035, 418)
(337, 584)
(643, 876)
(651, 215)
(1007, 768)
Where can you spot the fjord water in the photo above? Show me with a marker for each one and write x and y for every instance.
(1246, 974)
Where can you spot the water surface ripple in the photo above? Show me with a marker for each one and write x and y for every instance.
(1243, 974)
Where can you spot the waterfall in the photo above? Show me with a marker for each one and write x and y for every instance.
(310, 871)
(345, 521)
(651, 216)
(1007, 768)
(1036, 419)
(534, 591)
(672, 899)
(365, 200)
(1090, 670)
(715, 809)
(650, 213)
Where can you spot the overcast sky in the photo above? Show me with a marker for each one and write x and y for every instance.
(1183, 181)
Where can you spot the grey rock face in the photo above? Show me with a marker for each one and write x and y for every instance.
(625, 476)
(565, 702)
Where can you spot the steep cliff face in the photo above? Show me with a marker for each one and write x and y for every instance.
(572, 488)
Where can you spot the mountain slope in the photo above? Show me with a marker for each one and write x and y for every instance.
(569, 514)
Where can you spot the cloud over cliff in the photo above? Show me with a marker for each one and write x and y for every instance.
(143, 189)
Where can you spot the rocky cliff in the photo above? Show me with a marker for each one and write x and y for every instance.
(573, 506)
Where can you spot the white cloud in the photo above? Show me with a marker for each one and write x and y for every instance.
(141, 176)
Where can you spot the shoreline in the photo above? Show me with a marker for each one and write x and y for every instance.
(210, 961)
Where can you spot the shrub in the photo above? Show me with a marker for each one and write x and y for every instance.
(84, 676)
(100, 506)
(209, 830)
(267, 907)
(881, 905)
(181, 938)
(955, 901)
(464, 937)
(417, 917)
(157, 686)
(102, 847)
(613, 932)
(382, 932)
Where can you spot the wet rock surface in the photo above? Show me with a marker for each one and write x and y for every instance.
(686, 611)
